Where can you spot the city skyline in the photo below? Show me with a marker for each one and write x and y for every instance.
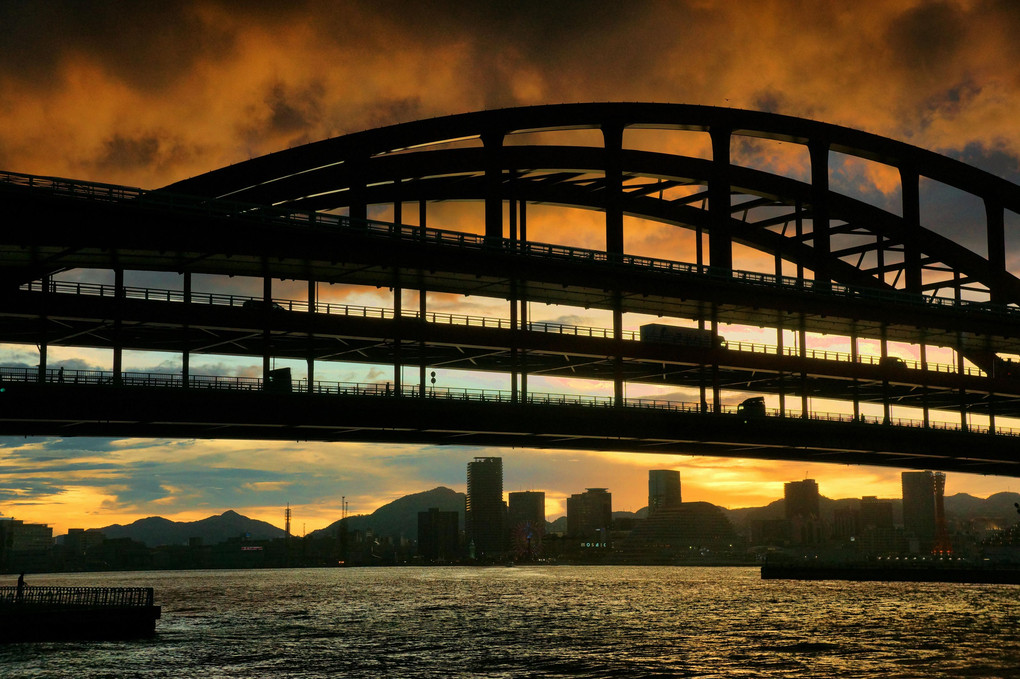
(797, 495)
(82, 98)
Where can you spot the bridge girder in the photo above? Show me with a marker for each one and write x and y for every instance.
(384, 165)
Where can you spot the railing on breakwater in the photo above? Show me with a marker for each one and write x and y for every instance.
(88, 597)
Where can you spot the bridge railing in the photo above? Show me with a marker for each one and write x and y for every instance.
(92, 597)
(284, 216)
(353, 310)
(9, 374)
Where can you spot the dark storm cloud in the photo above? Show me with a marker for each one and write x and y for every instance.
(926, 38)
(146, 44)
(286, 113)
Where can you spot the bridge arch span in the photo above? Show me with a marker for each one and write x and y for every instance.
(802, 223)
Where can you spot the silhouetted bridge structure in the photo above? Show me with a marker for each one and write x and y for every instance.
(838, 266)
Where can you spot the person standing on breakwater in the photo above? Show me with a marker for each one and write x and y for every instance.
(21, 589)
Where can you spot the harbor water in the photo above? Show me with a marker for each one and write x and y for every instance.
(542, 621)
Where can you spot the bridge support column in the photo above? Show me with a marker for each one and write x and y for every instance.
(618, 350)
(523, 356)
(422, 225)
(186, 354)
(924, 380)
(960, 370)
(612, 135)
(702, 379)
(883, 353)
(802, 334)
(781, 355)
(118, 340)
(855, 360)
(43, 335)
(996, 234)
(514, 335)
(716, 396)
(910, 185)
(819, 153)
(313, 299)
(493, 143)
(423, 357)
(267, 303)
(720, 238)
(398, 367)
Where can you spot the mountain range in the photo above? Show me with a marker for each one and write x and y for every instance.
(155, 530)
(400, 518)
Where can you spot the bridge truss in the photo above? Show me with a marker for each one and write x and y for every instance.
(860, 272)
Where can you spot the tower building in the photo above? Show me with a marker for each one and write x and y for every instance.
(802, 511)
(484, 511)
(801, 499)
(589, 514)
(919, 516)
(663, 489)
(527, 523)
(437, 535)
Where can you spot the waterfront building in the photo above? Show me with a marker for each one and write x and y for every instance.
(527, 523)
(663, 489)
(484, 510)
(696, 531)
(801, 502)
(590, 514)
(438, 534)
(801, 499)
(919, 515)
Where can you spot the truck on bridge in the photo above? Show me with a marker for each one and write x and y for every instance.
(687, 337)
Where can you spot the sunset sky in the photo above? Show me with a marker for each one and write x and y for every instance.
(147, 93)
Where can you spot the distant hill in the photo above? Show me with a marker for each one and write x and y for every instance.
(155, 531)
(400, 517)
(959, 507)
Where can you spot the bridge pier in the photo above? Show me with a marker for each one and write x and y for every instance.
(818, 150)
(313, 299)
(617, 350)
(720, 238)
(855, 359)
(781, 353)
(883, 354)
(612, 136)
(186, 334)
(42, 328)
(805, 411)
(924, 381)
(267, 302)
(118, 348)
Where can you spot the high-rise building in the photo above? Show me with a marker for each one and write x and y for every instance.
(942, 544)
(663, 489)
(801, 499)
(919, 509)
(876, 513)
(802, 513)
(589, 514)
(484, 511)
(437, 535)
(527, 523)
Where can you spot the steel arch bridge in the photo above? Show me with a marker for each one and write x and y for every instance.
(862, 272)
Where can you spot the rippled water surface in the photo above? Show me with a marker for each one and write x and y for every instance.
(562, 621)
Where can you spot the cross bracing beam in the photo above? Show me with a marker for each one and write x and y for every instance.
(158, 326)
